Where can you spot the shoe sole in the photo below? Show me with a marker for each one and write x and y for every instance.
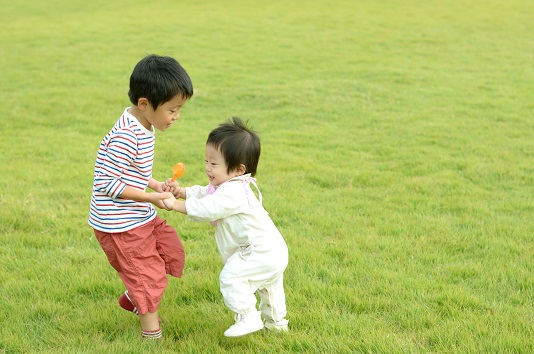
(276, 329)
(242, 335)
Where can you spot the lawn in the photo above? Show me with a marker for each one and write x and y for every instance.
(397, 161)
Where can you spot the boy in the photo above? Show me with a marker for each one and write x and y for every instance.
(139, 245)
(252, 249)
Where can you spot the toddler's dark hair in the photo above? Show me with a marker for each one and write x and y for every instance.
(159, 79)
(238, 143)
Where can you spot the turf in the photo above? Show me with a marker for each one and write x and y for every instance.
(397, 161)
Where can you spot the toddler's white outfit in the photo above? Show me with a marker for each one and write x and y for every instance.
(252, 249)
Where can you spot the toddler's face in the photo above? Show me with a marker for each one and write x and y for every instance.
(166, 114)
(216, 167)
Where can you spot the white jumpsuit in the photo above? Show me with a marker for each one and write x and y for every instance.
(252, 249)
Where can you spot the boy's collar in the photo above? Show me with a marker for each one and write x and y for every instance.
(131, 116)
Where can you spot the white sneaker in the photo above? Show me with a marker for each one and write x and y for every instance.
(280, 326)
(245, 324)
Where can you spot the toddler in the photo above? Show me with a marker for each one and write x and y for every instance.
(252, 249)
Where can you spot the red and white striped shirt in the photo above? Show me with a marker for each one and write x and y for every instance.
(124, 158)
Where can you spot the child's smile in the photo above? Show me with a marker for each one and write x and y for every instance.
(216, 167)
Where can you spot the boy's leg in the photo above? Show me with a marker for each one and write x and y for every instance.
(135, 257)
(169, 247)
(150, 325)
(126, 303)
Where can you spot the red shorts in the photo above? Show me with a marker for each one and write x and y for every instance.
(142, 257)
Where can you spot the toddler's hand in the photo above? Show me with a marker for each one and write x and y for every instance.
(158, 198)
(170, 186)
(169, 201)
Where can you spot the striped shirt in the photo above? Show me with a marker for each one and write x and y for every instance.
(124, 159)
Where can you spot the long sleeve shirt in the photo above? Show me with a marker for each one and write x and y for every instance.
(242, 221)
(124, 158)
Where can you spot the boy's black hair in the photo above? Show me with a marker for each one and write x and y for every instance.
(238, 143)
(159, 79)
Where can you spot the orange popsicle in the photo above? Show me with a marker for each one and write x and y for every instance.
(178, 171)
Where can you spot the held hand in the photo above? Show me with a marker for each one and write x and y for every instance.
(170, 186)
(158, 200)
(158, 187)
(169, 202)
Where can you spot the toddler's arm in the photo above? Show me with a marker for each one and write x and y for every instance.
(172, 204)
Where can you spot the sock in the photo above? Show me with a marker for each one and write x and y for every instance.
(152, 334)
(126, 303)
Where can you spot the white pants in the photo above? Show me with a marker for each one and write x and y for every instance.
(260, 271)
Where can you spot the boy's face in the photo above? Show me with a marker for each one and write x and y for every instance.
(166, 114)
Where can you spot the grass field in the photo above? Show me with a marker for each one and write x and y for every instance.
(397, 162)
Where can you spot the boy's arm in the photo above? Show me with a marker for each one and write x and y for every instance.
(156, 186)
(142, 196)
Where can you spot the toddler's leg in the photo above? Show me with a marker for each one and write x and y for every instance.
(239, 297)
(273, 305)
(236, 290)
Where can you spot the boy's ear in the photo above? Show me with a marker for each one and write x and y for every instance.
(142, 103)
(241, 169)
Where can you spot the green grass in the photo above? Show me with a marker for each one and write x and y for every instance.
(397, 161)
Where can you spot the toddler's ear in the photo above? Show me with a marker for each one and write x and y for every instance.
(241, 169)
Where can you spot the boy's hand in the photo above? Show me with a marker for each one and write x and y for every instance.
(157, 186)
